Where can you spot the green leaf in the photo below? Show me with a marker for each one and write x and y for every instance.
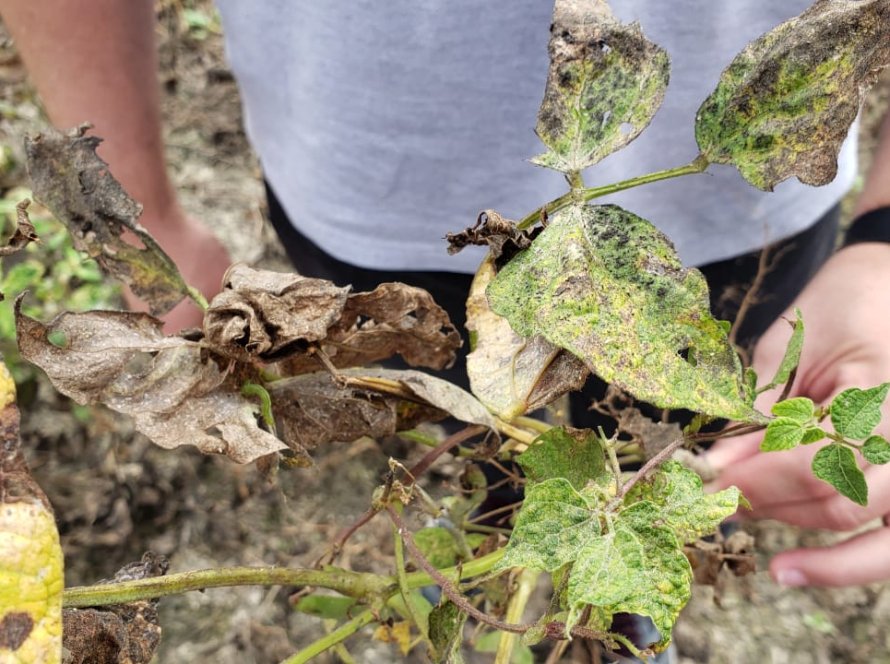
(554, 524)
(855, 413)
(782, 433)
(800, 409)
(574, 454)
(331, 607)
(792, 355)
(637, 568)
(812, 435)
(608, 286)
(447, 633)
(836, 464)
(784, 105)
(876, 450)
(438, 546)
(508, 374)
(606, 81)
(684, 507)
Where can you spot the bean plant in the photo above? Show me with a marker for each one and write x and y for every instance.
(284, 364)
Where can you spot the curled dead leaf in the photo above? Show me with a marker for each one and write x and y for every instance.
(501, 236)
(71, 180)
(24, 232)
(175, 391)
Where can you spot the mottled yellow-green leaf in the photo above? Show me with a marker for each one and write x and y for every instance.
(784, 105)
(606, 81)
(447, 633)
(683, 506)
(554, 524)
(509, 374)
(31, 579)
(438, 546)
(607, 286)
(574, 454)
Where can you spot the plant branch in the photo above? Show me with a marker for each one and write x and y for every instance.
(448, 589)
(404, 590)
(353, 584)
(525, 585)
(662, 456)
(698, 165)
(328, 641)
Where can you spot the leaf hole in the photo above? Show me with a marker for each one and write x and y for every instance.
(626, 128)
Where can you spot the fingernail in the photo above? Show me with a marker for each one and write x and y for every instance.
(791, 578)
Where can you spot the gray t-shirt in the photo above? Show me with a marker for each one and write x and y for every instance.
(381, 126)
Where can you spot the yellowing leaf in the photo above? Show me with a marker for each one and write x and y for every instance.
(509, 374)
(606, 81)
(607, 286)
(784, 105)
(31, 579)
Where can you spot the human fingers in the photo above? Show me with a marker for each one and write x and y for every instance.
(861, 559)
(836, 512)
(728, 451)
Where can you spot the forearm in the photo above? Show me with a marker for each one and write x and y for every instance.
(96, 62)
(876, 191)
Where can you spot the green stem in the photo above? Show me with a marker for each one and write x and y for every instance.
(402, 576)
(330, 640)
(353, 584)
(525, 585)
(469, 569)
(698, 165)
(197, 297)
(249, 389)
(533, 424)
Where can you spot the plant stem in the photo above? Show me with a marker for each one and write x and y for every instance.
(525, 585)
(197, 297)
(339, 635)
(533, 424)
(353, 584)
(647, 468)
(404, 590)
(698, 165)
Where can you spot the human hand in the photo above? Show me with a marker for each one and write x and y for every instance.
(846, 310)
(202, 260)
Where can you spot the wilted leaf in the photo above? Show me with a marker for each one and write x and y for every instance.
(509, 374)
(397, 633)
(447, 633)
(271, 314)
(24, 232)
(855, 413)
(31, 579)
(836, 464)
(72, 181)
(121, 633)
(574, 454)
(653, 436)
(792, 354)
(606, 81)
(500, 235)
(429, 390)
(176, 393)
(607, 286)
(784, 105)
(392, 319)
(314, 409)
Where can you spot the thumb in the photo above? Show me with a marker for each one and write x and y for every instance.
(727, 451)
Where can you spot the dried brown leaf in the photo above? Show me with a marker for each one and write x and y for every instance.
(176, 393)
(315, 408)
(653, 436)
(119, 634)
(498, 233)
(392, 319)
(271, 314)
(24, 232)
(509, 374)
(70, 179)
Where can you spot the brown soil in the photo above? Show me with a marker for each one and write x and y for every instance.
(116, 495)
